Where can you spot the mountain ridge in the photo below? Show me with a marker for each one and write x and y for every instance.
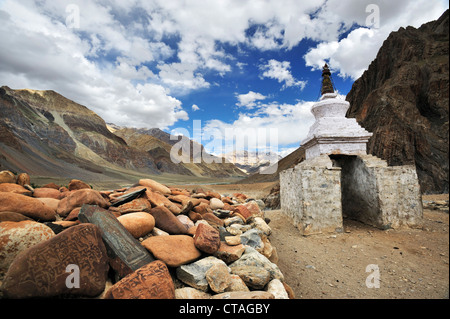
(44, 133)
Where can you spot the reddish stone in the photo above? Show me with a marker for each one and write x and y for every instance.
(136, 205)
(43, 270)
(227, 200)
(160, 200)
(76, 184)
(242, 212)
(207, 238)
(19, 236)
(13, 217)
(152, 281)
(213, 219)
(14, 188)
(73, 215)
(212, 194)
(23, 179)
(202, 209)
(179, 198)
(229, 253)
(240, 197)
(78, 198)
(51, 185)
(177, 191)
(166, 220)
(7, 177)
(50, 202)
(194, 216)
(28, 206)
(254, 209)
(227, 206)
(174, 250)
(138, 224)
(155, 186)
(47, 193)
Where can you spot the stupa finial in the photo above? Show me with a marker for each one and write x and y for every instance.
(327, 85)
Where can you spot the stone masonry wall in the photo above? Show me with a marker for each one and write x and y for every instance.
(316, 193)
(310, 195)
(400, 197)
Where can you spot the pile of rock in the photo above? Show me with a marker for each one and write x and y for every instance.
(143, 241)
(441, 205)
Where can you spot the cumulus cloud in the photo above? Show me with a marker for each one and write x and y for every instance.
(248, 100)
(290, 124)
(351, 55)
(281, 71)
(132, 61)
(39, 51)
(195, 107)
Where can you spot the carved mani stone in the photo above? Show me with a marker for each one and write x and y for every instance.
(152, 281)
(125, 252)
(73, 262)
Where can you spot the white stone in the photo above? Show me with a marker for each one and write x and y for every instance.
(276, 288)
(216, 203)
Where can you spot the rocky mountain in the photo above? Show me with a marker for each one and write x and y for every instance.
(44, 133)
(403, 98)
(158, 144)
(286, 162)
(251, 162)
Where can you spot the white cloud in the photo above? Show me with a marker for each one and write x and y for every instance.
(38, 51)
(195, 107)
(248, 100)
(132, 57)
(280, 71)
(290, 122)
(352, 55)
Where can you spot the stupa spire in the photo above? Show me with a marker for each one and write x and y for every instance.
(327, 85)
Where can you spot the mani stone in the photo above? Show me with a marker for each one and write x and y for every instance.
(79, 198)
(18, 236)
(166, 220)
(25, 205)
(125, 252)
(138, 224)
(51, 268)
(174, 250)
(207, 238)
(128, 197)
(152, 281)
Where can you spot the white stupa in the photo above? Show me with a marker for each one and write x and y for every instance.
(333, 133)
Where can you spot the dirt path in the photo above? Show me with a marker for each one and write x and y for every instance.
(412, 263)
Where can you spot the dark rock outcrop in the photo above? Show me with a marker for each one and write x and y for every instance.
(403, 99)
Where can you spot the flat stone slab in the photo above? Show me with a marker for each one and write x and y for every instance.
(125, 252)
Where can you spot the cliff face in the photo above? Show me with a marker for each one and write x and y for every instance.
(403, 99)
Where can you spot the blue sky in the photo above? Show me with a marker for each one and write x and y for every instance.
(247, 64)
